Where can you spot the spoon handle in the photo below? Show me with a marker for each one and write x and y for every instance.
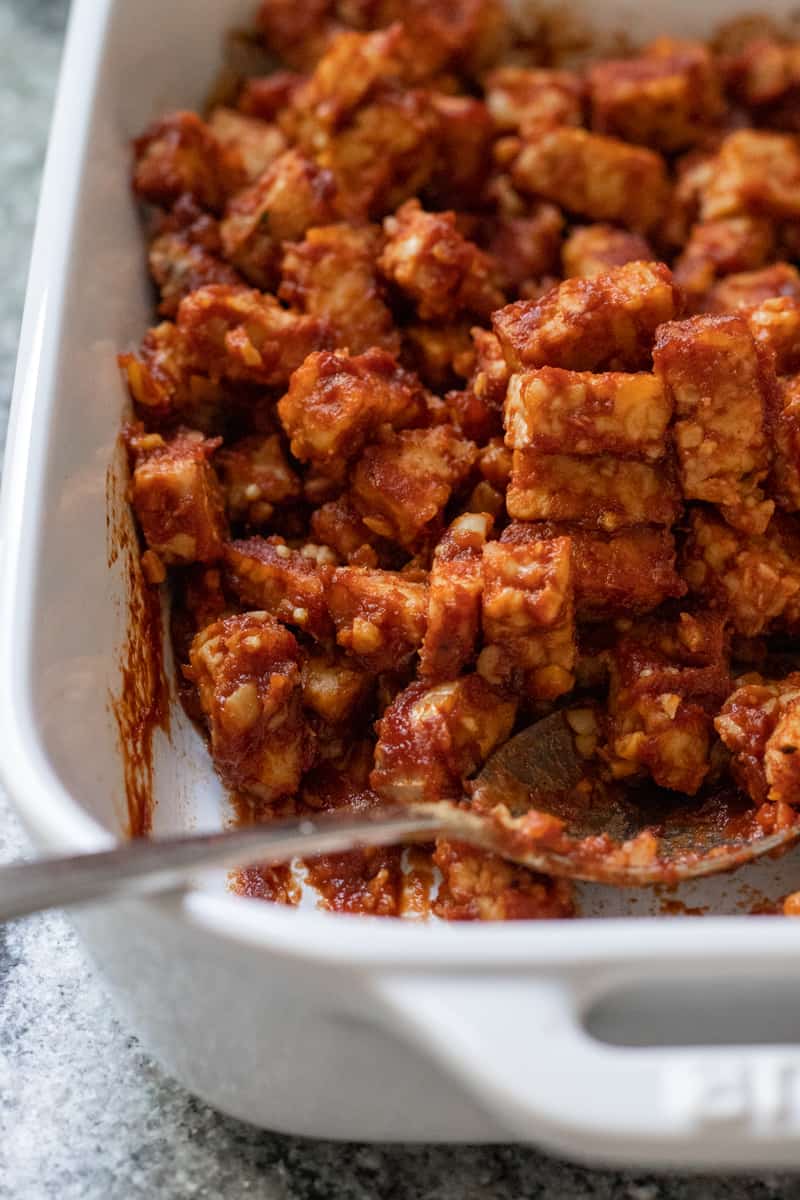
(145, 866)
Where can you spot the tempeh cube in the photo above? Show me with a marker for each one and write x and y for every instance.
(339, 525)
(472, 416)
(722, 389)
(528, 623)
(266, 96)
(176, 495)
(666, 98)
(594, 249)
(494, 463)
(551, 409)
(336, 402)
(431, 738)
(292, 195)
(179, 265)
(297, 32)
(608, 322)
(615, 574)
(245, 335)
(775, 324)
(440, 353)
(606, 492)
(525, 246)
(257, 142)
(594, 176)
(480, 886)
(489, 379)
(386, 153)
(325, 481)
(439, 269)
(722, 247)
(760, 725)
(464, 139)
(692, 172)
(764, 71)
(289, 584)
(162, 383)
(256, 476)
(352, 66)
(332, 274)
(523, 99)
(380, 616)
(667, 681)
(747, 289)
(334, 687)
(462, 36)
(756, 173)
(247, 672)
(751, 578)
(456, 583)
(357, 120)
(402, 483)
(179, 155)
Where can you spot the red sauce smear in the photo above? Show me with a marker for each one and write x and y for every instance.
(142, 704)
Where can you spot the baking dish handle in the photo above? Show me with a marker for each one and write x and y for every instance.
(519, 1045)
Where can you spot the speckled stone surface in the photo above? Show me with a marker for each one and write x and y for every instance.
(84, 1114)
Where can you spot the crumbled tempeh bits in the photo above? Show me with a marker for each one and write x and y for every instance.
(475, 392)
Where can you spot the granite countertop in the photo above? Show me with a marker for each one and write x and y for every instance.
(84, 1114)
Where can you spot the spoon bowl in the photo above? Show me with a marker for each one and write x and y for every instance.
(537, 801)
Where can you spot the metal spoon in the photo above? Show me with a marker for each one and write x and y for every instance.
(533, 778)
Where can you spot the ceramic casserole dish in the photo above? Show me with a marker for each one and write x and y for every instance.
(623, 1036)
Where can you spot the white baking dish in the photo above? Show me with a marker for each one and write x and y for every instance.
(297, 1020)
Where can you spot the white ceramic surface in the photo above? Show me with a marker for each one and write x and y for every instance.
(303, 1021)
